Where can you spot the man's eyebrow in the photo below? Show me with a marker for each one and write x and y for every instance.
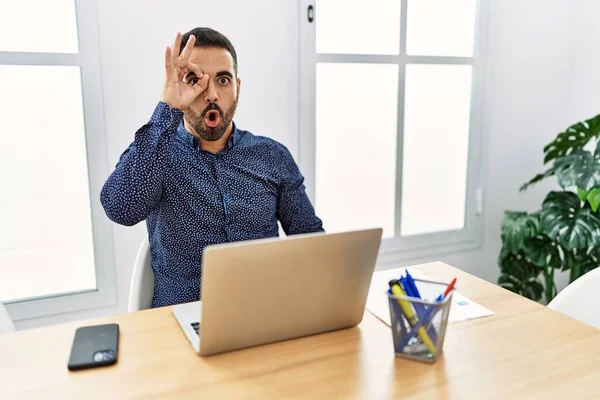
(224, 73)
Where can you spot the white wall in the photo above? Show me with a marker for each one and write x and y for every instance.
(530, 58)
(534, 90)
(585, 95)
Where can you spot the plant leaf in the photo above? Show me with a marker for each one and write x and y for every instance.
(581, 261)
(542, 252)
(580, 168)
(583, 194)
(570, 257)
(568, 167)
(519, 276)
(536, 179)
(518, 226)
(591, 261)
(563, 219)
(575, 137)
(593, 198)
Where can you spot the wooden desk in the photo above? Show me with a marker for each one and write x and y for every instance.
(524, 351)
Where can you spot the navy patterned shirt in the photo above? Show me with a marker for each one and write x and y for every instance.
(191, 198)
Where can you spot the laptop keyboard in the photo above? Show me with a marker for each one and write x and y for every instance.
(196, 326)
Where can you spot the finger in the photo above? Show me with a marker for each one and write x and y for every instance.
(168, 64)
(181, 74)
(185, 54)
(175, 49)
(201, 85)
(195, 68)
(169, 70)
(202, 78)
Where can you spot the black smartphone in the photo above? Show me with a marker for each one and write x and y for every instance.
(94, 346)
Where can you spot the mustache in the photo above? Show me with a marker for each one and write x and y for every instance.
(211, 107)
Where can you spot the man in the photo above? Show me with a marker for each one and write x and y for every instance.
(196, 178)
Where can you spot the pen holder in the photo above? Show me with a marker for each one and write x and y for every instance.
(419, 325)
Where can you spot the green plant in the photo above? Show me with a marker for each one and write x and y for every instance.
(565, 234)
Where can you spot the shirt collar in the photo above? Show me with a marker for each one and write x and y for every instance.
(195, 143)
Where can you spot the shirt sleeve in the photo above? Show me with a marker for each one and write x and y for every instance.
(135, 186)
(294, 209)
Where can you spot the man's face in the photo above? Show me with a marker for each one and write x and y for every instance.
(212, 112)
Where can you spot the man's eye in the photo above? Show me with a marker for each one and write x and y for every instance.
(223, 81)
(193, 81)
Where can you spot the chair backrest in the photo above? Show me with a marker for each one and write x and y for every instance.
(6, 323)
(141, 289)
(579, 300)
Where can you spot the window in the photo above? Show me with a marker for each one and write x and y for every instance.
(55, 243)
(391, 119)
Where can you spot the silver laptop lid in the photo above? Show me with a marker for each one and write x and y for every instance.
(269, 290)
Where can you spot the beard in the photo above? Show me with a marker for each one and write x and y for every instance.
(196, 121)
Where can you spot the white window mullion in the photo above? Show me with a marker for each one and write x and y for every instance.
(89, 48)
(307, 95)
(475, 189)
(24, 58)
(439, 60)
(392, 59)
(400, 116)
(359, 58)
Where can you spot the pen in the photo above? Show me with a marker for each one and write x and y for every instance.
(448, 289)
(410, 287)
(410, 315)
(426, 319)
(412, 284)
(407, 287)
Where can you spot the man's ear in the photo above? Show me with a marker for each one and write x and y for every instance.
(239, 85)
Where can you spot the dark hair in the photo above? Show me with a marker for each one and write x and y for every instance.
(207, 37)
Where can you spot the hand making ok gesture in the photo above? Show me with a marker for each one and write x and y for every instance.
(184, 81)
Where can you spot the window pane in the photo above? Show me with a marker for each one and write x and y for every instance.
(440, 27)
(45, 26)
(358, 27)
(46, 232)
(435, 151)
(356, 129)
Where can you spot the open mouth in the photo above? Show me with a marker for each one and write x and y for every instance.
(212, 118)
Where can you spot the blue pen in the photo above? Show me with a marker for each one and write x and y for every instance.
(411, 282)
(406, 286)
(411, 289)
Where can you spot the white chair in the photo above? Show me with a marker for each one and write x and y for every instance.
(579, 300)
(141, 289)
(6, 324)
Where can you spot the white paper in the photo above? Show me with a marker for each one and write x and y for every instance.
(462, 308)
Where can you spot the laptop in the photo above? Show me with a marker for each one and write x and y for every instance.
(269, 290)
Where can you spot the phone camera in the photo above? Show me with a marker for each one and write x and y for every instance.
(104, 355)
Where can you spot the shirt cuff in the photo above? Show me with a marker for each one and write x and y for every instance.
(166, 117)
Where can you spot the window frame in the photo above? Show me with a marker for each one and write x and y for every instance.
(420, 245)
(88, 59)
